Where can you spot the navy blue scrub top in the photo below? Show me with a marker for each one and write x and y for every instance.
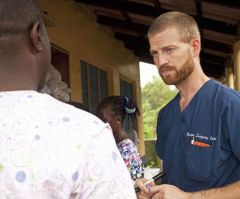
(200, 146)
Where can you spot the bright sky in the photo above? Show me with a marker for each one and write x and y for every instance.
(147, 71)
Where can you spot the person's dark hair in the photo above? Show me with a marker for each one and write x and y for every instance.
(121, 106)
(17, 16)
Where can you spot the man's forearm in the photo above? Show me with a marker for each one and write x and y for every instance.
(231, 191)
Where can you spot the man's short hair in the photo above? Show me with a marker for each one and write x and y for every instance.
(184, 24)
(17, 16)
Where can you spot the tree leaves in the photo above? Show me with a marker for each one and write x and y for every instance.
(155, 95)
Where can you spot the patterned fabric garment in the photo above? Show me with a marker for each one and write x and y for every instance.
(131, 157)
(51, 150)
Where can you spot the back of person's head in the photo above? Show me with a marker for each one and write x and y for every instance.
(24, 43)
(121, 106)
(17, 18)
(184, 24)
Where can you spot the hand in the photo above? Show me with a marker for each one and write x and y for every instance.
(166, 191)
(144, 192)
(143, 195)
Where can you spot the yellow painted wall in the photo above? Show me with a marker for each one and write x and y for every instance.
(77, 32)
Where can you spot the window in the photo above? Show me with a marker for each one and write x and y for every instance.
(94, 85)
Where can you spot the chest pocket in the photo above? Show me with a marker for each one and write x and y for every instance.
(200, 162)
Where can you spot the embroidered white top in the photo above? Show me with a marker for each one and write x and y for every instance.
(52, 150)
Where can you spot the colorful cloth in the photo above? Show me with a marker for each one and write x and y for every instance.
(131, 157)
(51, 150)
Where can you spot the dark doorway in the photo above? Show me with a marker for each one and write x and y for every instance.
(60, 60)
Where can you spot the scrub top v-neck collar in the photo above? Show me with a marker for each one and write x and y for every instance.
(194, 98)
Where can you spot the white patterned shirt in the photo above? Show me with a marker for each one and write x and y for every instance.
(51, 150)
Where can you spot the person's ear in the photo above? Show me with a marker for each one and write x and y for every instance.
(196, 46)
(35, 34)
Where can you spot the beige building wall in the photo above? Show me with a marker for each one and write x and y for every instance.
(75, 30)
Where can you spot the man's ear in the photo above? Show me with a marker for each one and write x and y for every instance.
(196, 46)
(36, 36)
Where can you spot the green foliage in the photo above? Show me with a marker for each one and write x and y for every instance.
(151, 158)
(155, 95)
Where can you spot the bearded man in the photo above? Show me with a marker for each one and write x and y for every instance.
(198, 135)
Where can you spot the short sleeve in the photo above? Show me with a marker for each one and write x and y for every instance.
(131, 157)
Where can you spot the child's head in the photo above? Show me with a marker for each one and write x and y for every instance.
(114, 110)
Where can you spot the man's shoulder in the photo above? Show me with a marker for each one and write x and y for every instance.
(51, 113)
(76, 118)
(225, 92)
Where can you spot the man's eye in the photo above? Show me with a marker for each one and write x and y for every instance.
(170, 50)
(154, 54)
